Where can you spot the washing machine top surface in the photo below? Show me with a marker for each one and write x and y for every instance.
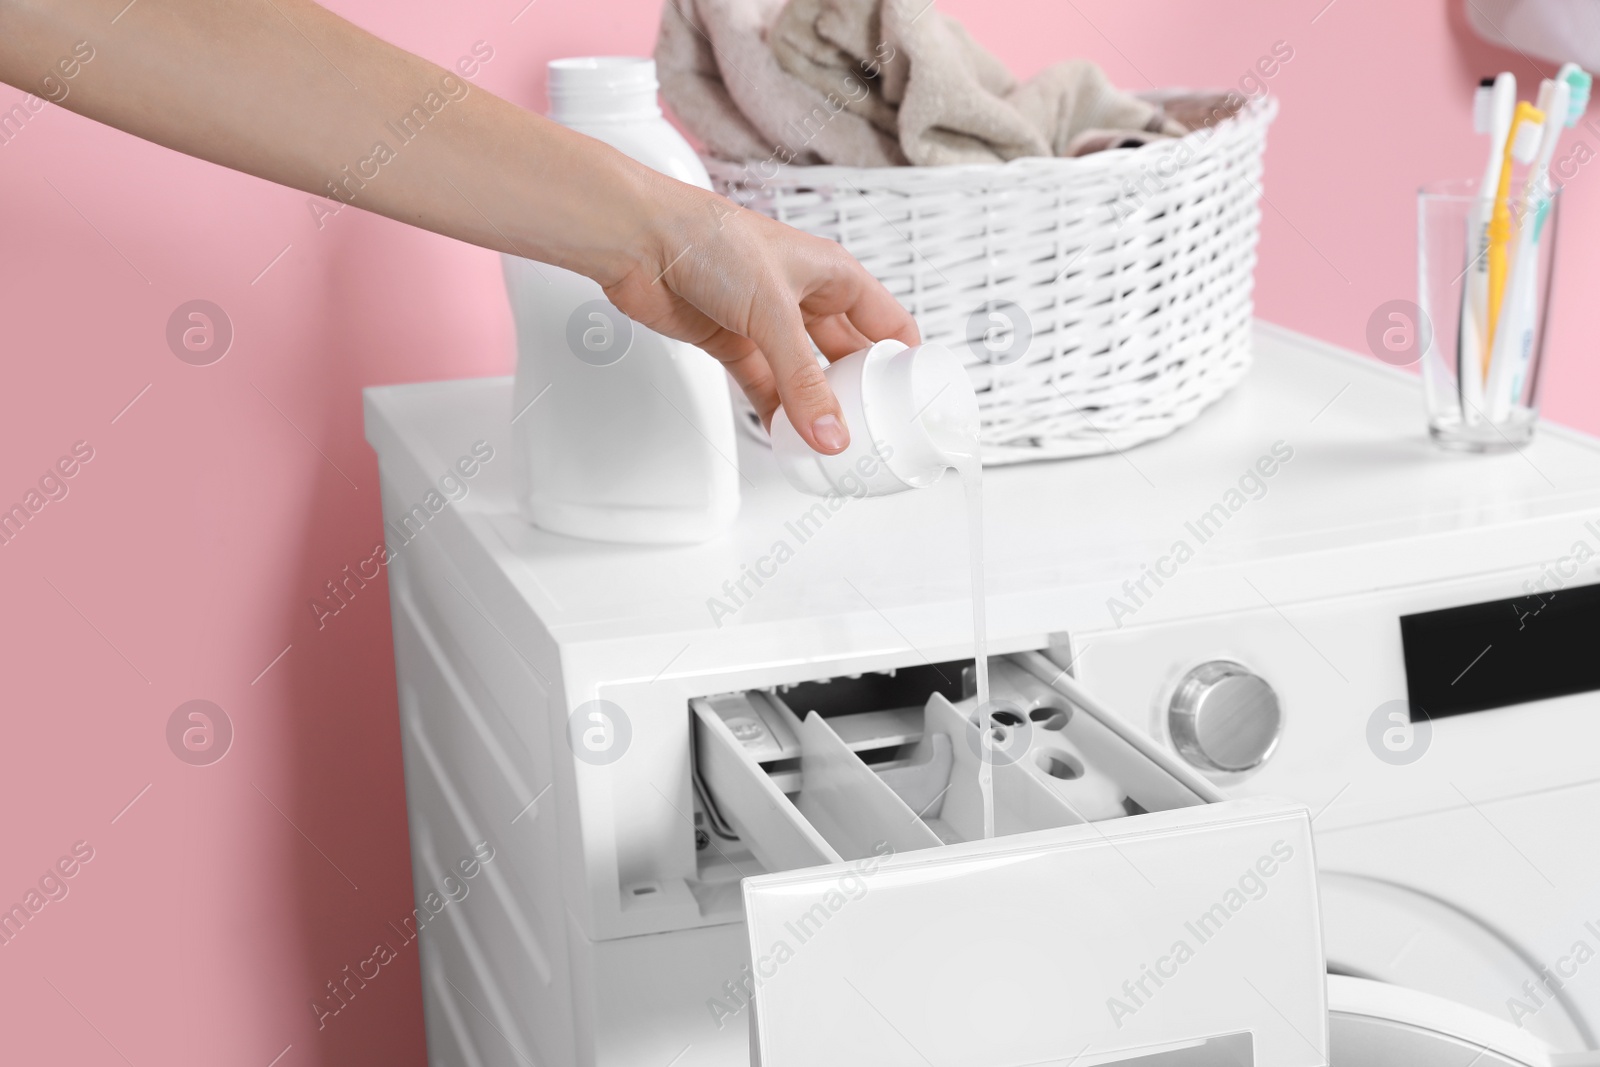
(1313, 479)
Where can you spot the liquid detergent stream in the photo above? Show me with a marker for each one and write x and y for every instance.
(913, 414)
(970, 469)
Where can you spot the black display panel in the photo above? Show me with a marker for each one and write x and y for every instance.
(1503, 652)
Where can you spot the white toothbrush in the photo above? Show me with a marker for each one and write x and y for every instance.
(1492, 108)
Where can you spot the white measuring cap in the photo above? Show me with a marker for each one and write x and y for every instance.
(911, 412)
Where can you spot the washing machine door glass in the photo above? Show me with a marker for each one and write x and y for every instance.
(1374, 1024)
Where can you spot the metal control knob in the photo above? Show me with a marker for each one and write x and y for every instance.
(1223, 717)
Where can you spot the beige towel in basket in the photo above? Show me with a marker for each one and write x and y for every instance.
(725, 84)
(874, 83)
(945, 97)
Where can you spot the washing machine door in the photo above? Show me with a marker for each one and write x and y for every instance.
(1374, 1024)
(1405, 938)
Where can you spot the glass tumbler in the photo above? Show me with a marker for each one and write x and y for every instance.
(1484, 301)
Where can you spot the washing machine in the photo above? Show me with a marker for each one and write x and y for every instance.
(1296, 608)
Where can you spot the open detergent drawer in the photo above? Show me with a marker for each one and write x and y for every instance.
(1124, 911)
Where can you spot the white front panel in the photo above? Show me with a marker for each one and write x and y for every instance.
(1334, 665)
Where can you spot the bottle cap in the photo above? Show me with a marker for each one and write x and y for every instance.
(911, 412)
(602, 88)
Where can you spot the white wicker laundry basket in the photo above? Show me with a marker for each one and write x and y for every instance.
(1100, 301)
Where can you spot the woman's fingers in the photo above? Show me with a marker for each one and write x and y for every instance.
(836, 336)
(808, 402)
(753, 375)
(756, 294)
(848, 288)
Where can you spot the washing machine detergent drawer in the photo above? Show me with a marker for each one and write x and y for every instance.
(1122, 911)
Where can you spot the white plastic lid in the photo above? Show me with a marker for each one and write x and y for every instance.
(911, 412)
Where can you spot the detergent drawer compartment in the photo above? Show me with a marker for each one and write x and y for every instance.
(796, 788)
(1122, 907)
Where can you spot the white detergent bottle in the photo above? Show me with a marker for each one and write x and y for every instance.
(620, 434)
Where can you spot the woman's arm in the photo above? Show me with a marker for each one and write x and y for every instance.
(288, 91)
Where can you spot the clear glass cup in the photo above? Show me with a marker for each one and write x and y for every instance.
(1481, 384)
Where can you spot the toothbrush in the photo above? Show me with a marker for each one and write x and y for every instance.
(1569, 99)
(1493, 108)
(1507, 334)
(1514, 328)
(1521, 144)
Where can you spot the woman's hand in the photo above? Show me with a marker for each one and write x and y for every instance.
(750, 291)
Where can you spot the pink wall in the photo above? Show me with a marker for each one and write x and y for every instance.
(181, 561)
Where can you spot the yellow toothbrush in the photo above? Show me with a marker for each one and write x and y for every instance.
(1522, 142)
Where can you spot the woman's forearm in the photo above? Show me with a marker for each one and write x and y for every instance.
(287, 91)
